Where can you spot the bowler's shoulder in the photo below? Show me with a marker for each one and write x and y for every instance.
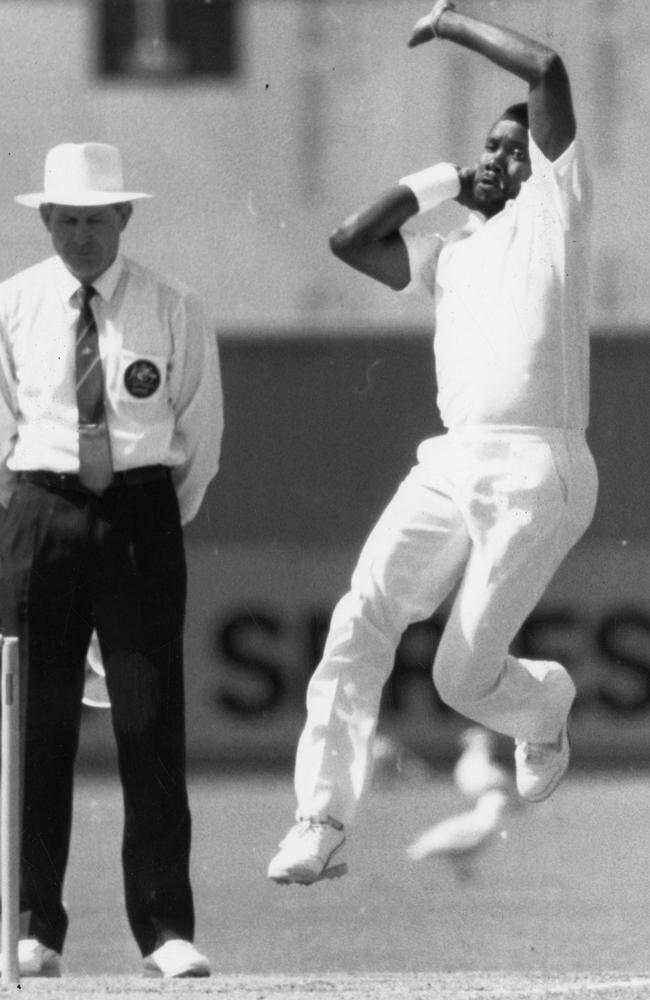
(573, 154)
(564, 182)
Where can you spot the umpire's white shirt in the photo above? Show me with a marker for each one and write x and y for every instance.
(511, 333)
(161, 367)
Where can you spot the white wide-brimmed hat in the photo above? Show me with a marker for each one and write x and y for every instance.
(82, 173)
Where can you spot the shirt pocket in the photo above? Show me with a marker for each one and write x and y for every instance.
(141, 382)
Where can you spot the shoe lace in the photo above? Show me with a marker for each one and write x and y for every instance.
(313, 828)
(537, 753)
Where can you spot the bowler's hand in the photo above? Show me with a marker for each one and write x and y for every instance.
(425, 29)
(466, 176)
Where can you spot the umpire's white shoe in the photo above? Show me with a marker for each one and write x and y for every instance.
(177, 959)
(541, 766)
(311, 851)
(35, 959)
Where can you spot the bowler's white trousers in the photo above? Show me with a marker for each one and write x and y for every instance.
(496, 509)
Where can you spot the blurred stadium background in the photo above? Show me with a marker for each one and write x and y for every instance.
(259, 125)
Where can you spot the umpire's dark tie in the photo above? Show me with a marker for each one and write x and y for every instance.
(95, 463)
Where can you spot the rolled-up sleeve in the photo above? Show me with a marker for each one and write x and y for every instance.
(197, 398)
(562, 185)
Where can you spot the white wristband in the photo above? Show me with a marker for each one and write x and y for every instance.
(436, 14)
(434, 185)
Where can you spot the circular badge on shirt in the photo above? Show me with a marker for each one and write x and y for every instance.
(141, 378)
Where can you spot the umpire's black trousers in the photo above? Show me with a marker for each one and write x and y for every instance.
(71, 562)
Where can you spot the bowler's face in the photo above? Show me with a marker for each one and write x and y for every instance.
(503, 166)
(86, 239)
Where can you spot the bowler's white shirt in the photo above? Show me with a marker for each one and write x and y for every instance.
(511, 293)
(140, 318)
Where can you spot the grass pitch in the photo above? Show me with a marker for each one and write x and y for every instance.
(388, 986)
(556, 907)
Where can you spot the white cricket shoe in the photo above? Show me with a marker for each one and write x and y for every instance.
(541, 766)
(177, 959)
(95, 693)
(311, 851)
(35, 959)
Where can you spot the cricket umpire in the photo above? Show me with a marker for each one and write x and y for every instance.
(493, 505)
(110, 430)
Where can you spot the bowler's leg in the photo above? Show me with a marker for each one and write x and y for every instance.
(409, 564)
(522, 528)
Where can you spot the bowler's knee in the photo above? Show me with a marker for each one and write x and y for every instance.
(455, 680)
(450, 689)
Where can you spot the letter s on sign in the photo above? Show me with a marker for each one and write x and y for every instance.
(624, 636)
(236, 642)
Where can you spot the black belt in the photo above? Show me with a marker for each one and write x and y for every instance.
(70, 481)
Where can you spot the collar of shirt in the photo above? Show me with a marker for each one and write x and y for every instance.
(105, 284)
(476, 220)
